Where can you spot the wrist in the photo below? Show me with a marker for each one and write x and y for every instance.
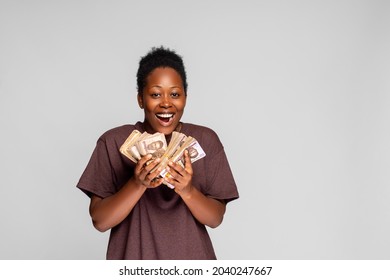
(185, 193)
(133, 183)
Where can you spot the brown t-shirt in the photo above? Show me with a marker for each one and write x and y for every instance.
(160, 226)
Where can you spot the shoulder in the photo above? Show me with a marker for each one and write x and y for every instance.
(114, 132)
(206, 136)
(117, 135)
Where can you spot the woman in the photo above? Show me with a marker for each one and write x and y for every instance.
(147, 219)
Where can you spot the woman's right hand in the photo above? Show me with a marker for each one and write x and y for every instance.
(143, 175)
(108, 212)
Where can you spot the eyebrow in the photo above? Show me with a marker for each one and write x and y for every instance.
(158, 86)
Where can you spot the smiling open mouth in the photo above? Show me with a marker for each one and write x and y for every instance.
(166, 118)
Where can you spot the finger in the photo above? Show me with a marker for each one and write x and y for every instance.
(155, 172)
(176, 169)
(150, 170)
(141, 163)
(152, 165)
(187, 163)
(156, 182)
(173, 173)
(171, 180)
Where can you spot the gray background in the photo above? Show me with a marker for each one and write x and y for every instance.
(298, 92)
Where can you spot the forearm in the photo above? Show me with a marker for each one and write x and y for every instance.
(206, 210)
(109, 212)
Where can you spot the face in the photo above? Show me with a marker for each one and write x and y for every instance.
(163, 100)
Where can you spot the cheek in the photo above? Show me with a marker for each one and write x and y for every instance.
(150, 106)
(180, 106)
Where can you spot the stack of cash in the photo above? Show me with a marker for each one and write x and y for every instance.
(140, 144)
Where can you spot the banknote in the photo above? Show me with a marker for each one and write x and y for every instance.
(125, 149)
(154, 144)
(140, 144)
(195, 152)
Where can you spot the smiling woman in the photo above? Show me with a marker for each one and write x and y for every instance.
(163, 100)
(147, 219)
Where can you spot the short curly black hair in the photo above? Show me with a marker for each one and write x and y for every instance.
(160, 57)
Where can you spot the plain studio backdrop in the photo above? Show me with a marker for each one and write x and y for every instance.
(298, 91)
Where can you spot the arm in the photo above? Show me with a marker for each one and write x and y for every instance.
(110, 211)
(206, 210)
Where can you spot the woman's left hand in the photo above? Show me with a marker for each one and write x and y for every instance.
(181, 177)
(206, 210)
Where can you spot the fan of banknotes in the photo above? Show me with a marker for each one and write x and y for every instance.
(140, 144)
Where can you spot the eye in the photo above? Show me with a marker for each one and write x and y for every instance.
(175, 94)
(155, 94)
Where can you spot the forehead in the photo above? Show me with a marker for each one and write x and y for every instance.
(164, 75)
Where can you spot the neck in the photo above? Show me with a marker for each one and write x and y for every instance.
(148, 128)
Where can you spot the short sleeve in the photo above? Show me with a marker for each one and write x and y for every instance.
(97, 177)
(220, 180)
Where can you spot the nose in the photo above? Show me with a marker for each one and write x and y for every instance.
(165, 102)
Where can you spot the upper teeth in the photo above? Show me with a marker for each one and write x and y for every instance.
(164, 115)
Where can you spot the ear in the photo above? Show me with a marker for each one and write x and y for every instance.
(140, 101)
